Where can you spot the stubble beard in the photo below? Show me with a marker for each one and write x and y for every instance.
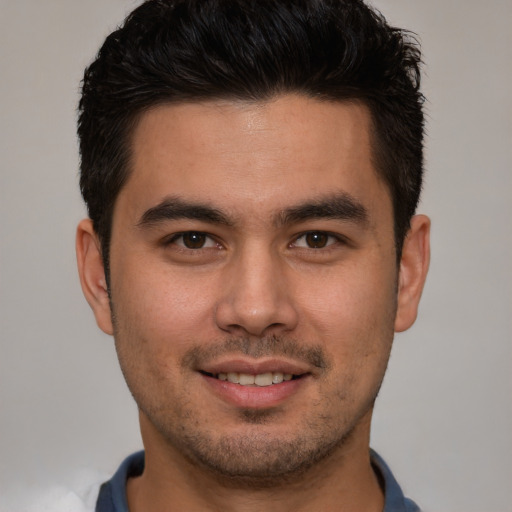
(257, 460)
(255, 457)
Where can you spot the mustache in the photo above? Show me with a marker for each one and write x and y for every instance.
(268, 346)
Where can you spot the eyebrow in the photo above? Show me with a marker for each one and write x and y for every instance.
(173, 208)
(340, 206)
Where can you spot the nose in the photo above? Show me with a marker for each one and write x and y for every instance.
(257, 297)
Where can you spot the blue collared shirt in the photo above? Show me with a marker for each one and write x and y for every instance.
(112, 495)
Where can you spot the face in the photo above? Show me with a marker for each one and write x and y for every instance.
(254, 283)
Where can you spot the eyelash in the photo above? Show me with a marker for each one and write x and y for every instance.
(330, 240)
(177, 236)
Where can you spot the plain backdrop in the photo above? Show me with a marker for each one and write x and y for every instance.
(444, 418)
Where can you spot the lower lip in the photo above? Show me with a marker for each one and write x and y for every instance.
(254, 397)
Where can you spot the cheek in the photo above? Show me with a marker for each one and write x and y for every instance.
(352, 314)
(158, 317)
(349, 299)
(166, 308)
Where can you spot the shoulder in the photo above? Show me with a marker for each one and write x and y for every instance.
(112, 494)
(395, 501)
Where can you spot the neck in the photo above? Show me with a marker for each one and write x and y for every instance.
(343, 481)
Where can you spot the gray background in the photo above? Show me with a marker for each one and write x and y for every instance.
(444, 417)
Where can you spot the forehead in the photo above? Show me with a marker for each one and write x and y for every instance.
(252, 157)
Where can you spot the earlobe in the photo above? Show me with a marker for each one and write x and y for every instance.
(92, 274)
(414, 265)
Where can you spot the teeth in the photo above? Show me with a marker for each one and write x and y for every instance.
(233, 377)
(246, 379)
(277, 378)
(262, 379)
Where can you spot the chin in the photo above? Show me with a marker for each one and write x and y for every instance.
(260, 457)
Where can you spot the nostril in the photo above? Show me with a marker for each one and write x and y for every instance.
(255, 309)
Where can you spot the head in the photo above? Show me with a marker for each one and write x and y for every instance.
(188, 51)
(251, 169)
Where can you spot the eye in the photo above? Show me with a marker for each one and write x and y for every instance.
(315, 240)
(193, 240)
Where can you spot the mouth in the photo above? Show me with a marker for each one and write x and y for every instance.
(256, 384)
(260, 384)
(254, 380)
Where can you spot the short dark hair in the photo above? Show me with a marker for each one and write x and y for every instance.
(170, 51)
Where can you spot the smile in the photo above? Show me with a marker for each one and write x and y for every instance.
(261, 379)
(246, 386)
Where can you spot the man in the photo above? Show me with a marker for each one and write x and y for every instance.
(251, 171)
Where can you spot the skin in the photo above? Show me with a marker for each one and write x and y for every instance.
(264, 283)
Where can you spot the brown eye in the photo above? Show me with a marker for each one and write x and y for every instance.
(316, 239)
(193, 240)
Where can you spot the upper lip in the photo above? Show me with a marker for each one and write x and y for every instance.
(255, 367)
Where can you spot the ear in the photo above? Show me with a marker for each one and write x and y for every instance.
(413, 271)
(92, 274)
